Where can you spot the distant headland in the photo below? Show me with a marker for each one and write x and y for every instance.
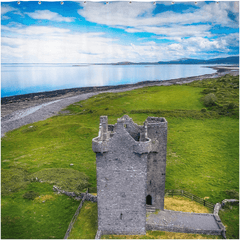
(227, 60)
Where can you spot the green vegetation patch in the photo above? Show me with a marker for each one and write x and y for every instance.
(195, 114)
(86, 224)
(62, 142)
(44, 217)
(30, 195)
(13, 180)
(151, 98)
(230, 219)
(220, 94)
(66, 179)
(203, 157)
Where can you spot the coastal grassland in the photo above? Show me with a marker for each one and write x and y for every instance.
(147, 98)
(86, 224)
(202, 152)
(230, 218)
(46, 216)
(226, 92)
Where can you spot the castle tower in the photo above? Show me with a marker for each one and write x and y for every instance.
(124, 153)
(156, 166)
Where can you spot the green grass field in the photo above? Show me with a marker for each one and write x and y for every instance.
(202, 152)
(86, 224)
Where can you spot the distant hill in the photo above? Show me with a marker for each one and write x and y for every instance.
(227, 60)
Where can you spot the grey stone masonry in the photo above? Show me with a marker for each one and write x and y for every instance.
(173, 221)
(122, 155)
(156, 166)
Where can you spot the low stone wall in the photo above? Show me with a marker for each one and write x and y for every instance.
(91, 198)
(217, 207)
(88, 196)
(84, 196)
(75, 217)
(230, 201)
(98, 235)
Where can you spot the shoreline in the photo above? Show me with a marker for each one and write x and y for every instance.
(20, 110)
(18, 102)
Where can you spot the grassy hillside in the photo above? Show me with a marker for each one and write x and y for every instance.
(202, 152)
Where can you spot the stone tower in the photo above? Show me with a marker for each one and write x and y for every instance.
(124, 154)
(156, 166)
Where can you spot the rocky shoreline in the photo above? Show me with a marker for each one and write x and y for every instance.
(18, 102)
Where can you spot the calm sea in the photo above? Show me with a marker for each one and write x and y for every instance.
(19, 79)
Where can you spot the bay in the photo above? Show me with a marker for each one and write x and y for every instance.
(19, 79)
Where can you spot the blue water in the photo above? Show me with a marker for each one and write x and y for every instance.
(19, 79)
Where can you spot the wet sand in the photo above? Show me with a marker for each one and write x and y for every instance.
(20, 110)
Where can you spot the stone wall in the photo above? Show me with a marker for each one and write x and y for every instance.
(98, 234)
(88, 196)
(217, 207)
(75, 216)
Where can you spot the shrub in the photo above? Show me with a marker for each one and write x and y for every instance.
(231, 105)
(210, 100)
(30, 195)
(203, 110)
(232, 193)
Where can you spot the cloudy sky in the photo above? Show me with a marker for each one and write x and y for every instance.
(100, 32)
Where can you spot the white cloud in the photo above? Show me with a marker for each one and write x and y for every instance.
(231, 40)
(38, 44)
(175, 30)
(7, 9)
(139, 17)
(5, 17)
(203, 43)
(116, 13)
(48, 15)
(51, 44)
(58, 45)
(35, 30)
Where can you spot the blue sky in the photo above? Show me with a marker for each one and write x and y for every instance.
(100, 32)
